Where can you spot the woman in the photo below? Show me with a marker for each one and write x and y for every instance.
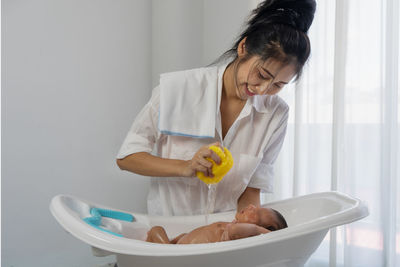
(233, 105)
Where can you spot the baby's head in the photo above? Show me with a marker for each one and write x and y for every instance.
(264, 217)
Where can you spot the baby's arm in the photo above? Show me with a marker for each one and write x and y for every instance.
(242, 230)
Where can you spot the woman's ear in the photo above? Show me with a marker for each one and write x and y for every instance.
(241, 49)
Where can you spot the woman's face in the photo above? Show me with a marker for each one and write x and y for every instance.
(256, 77)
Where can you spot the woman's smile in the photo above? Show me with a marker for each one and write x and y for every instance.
(248, 90)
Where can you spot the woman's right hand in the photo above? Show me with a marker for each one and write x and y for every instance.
(199, 163)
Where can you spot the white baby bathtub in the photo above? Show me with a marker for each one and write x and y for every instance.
(309, 218)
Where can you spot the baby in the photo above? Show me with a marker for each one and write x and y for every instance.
(251, 221)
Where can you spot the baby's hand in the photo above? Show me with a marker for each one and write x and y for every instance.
(262, 230)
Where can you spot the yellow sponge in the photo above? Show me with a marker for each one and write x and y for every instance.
(219, 171)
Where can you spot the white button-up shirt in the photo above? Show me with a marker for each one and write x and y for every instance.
(254, 139)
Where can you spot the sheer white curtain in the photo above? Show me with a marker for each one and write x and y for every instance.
(344, 129)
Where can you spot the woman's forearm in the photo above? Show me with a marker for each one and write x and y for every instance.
(146, 164)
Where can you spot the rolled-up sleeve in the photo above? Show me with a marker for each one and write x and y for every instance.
(144, 131)
(263, 177)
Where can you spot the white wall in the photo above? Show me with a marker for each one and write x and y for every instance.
(177, 32)
(223, 20)
(75, 74)
(193, 33)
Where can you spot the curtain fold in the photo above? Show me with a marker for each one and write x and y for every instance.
(338, 121)
(390, 133)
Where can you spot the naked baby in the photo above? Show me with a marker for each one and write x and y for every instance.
(251, 221)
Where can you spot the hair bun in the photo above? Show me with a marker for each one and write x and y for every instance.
(295, 13)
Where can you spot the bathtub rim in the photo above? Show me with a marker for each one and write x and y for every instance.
(120, 245)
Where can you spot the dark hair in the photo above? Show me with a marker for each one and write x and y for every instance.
(278, 29)
(281, 220)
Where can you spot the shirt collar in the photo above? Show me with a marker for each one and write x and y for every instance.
(260, 102)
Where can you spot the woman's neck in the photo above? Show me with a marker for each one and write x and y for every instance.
(228, 84)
